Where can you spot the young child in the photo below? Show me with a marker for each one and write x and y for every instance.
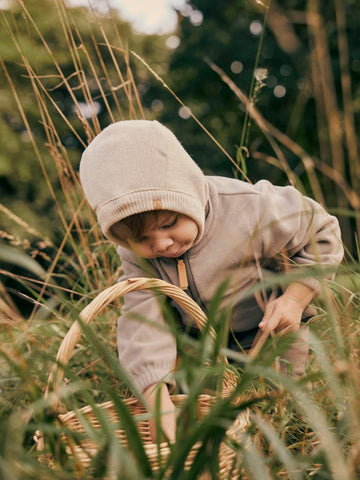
(171, 221)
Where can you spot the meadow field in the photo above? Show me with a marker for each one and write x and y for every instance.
(52, 265)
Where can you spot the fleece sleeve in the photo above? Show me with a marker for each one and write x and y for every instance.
(294, 226)
(146, 347)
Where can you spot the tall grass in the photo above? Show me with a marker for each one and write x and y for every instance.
(298, 429)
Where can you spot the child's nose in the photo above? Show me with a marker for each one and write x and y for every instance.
(162, 244)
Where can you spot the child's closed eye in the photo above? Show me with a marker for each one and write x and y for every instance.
(171, 223)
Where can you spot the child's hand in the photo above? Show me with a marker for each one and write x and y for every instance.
(281, 313)
(168, 419)
(285, 312)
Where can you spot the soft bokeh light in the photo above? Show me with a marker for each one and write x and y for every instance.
(157, 16)
(196, 18)
(256, 27)
(279, 91)
(157, 105)
(236, 66)
(173, 41)
(184, 113)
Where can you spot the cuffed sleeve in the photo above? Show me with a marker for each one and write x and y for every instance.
(146, 346)
(301, 230)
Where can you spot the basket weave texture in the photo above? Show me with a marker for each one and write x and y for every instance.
(84, 450)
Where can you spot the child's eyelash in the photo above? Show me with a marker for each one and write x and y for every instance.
(171, 224)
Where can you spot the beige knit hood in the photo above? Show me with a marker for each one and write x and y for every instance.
(135, 166)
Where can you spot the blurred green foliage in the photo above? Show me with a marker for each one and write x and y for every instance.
(23, 187)
(68, 72)
(312, 61)
(228, 33)
(55, 66)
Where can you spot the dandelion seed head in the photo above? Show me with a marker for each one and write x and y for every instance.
(261, 74)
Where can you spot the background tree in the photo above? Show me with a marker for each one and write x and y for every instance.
(311, 64)
(66, 75)
(61, 56)
(68, 72)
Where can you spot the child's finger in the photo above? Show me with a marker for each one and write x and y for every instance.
(270, 323)
(271, 319)
(269, 310)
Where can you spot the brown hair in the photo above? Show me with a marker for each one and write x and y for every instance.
(139, 222)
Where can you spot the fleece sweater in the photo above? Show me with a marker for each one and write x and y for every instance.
(252, 233)
(247, 234)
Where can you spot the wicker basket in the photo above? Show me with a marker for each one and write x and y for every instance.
(84, 450)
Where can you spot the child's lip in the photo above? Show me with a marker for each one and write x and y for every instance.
(175, 255)
(180, 252)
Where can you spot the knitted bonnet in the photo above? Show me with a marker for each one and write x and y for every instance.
(136, 166)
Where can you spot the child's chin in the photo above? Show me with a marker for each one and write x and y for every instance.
(177, 254)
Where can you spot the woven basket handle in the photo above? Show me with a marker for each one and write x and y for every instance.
(105, 298)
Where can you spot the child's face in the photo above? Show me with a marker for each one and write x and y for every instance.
(171, 237)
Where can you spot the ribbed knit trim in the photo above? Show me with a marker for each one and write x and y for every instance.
(154, 375)
(143, 201)
(312, 283)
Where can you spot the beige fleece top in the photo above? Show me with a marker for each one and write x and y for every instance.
(245, 232)
(248, 231)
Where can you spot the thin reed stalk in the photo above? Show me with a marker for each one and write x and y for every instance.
(294, 432)
(245, 133)
(325, 78)
(348, 107)
(152, 71)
